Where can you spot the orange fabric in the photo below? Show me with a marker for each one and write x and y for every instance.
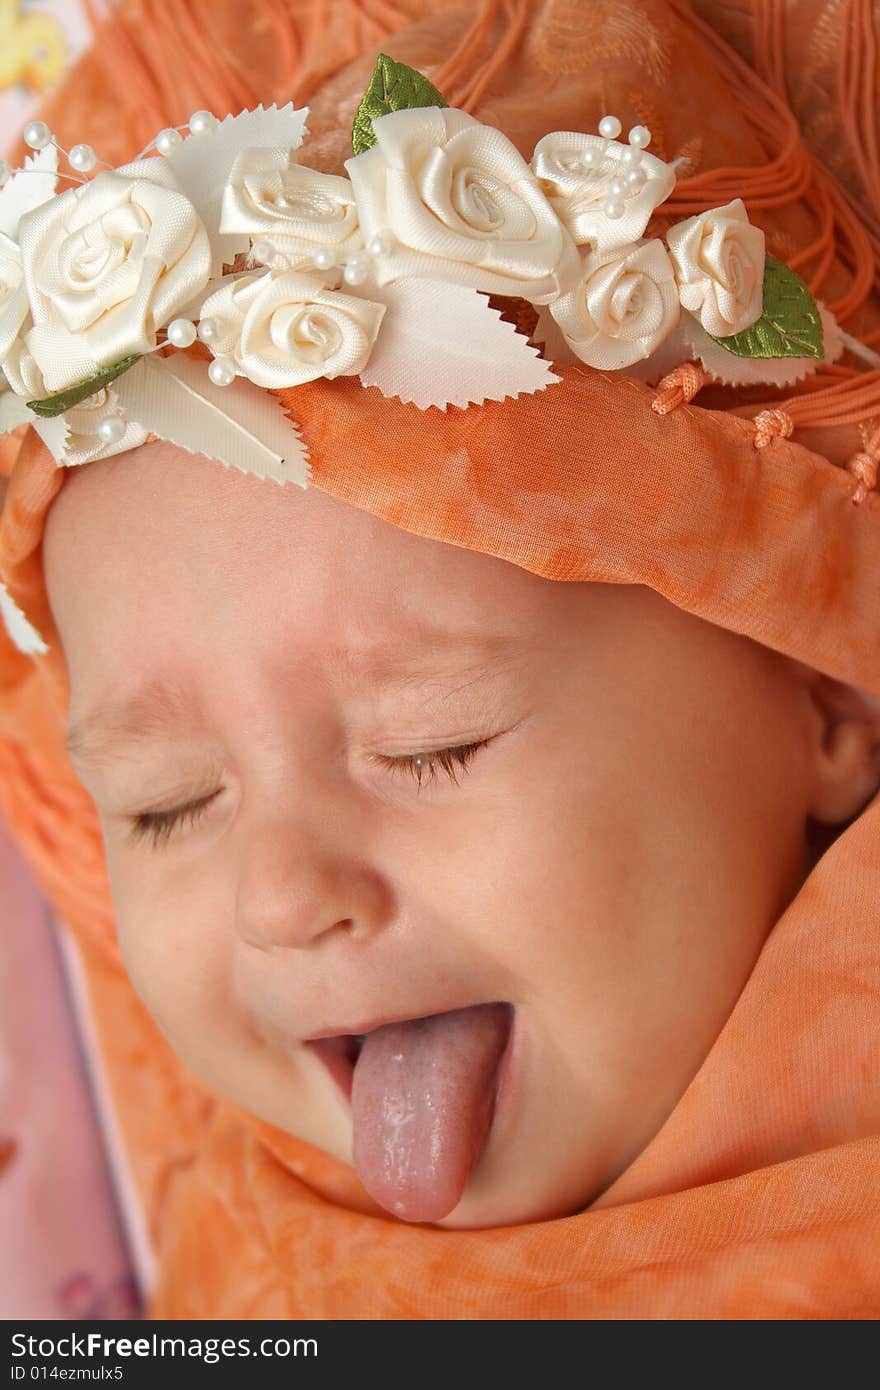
(760, 1196)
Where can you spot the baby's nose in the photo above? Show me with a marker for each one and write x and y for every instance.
(295, 896)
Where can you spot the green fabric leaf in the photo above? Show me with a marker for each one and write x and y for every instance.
(790, 324)
(393, 87)
(65, 400)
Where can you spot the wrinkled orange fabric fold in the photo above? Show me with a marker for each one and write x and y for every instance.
(760, 1195)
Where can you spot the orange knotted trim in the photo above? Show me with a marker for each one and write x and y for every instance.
(865, 466)
(679, 386)
(770, 425)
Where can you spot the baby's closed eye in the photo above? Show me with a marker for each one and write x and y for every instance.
(161, 825)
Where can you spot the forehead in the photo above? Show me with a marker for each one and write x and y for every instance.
(163, 552)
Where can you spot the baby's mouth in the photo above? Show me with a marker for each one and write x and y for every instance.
(423, 1094)
(339, 1055)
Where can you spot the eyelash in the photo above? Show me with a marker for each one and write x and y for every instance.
(157, 826)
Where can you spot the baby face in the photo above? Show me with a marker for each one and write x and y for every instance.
(293, 855)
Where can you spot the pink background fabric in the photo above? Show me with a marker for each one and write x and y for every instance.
(64, 1248)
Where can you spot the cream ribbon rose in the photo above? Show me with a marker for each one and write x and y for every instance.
(624, 306)
(298, 209)
(22, 372)
(73, 436)
(578, 193)
(106, 265)
(719, 264)
(462, 204)
(13, 296)
(281, 328)
(83, 443)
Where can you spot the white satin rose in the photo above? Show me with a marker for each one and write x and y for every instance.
(580, 173)
(719, 264)
(624, 306)
(106, 265)
(281, 328)
(72, 437)
(13, 296)
(83, 443)
(461, 204)
(298, 209)
(22, 372)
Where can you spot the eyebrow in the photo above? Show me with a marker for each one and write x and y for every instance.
(164, 704)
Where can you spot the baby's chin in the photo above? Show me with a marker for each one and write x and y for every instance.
(510, 1202)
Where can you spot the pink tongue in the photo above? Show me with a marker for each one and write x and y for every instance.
(422, 1098)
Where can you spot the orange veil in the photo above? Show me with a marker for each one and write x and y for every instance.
(760, 1195)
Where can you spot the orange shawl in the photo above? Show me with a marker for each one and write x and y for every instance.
(759, 1197)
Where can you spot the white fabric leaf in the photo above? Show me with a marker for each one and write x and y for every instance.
(54, 434)
(443, 344)
(22, 633)
(26, 190)
(548, 332)
(13, 412)
(747, 371)
(202, 165)
(241, 425)
(83, 443)
(688, 340)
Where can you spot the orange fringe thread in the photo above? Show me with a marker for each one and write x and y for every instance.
(680, 386)
(865, 467)
(848, 227)
(771, 424)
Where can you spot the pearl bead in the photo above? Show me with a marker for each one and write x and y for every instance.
(200, 122)
(634, 178)
(181, 333)
(264, 250)
(613, 208)
(324, 258)
(617, 188)
(111, 429)
(222, 371)
(357, 268)
(631, 156)
(5, 171)
(82, 158)
(640, 136)
(209, 330)
(610, 127)
(382, 244)
(168, 140)
(37, 135)
(589, 158)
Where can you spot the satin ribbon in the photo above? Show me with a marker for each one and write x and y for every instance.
(282, 329)
(462, 204)
(105, 265)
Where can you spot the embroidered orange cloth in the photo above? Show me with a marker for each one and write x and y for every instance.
(760, 1195)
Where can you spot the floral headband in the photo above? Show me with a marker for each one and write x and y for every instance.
(285, 275)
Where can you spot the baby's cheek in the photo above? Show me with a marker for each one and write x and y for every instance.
(174, 959)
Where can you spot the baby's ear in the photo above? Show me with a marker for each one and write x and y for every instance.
(845, 748)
